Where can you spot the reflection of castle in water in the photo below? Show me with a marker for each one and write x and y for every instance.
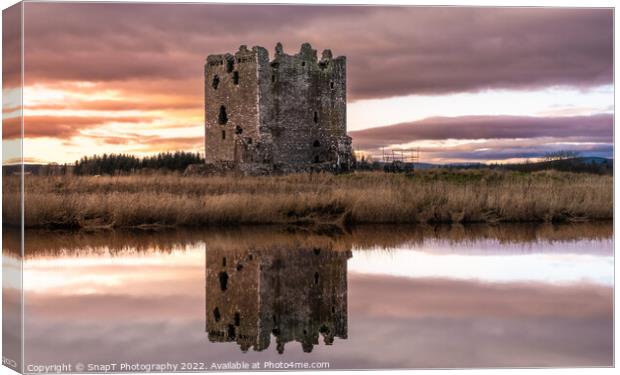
(296, 294)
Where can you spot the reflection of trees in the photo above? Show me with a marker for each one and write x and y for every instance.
(293, 293)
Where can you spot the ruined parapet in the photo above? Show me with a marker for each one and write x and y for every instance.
(288, 113)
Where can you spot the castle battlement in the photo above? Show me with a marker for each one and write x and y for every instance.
(286, 114)
(244, 55)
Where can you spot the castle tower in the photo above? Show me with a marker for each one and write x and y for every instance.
(231, 105)
(283, 115)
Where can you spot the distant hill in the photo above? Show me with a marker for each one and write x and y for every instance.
(596, 165)
(590, 164)
(424, 166)
(596, 160)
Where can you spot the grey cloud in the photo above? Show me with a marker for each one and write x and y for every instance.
(391, 51)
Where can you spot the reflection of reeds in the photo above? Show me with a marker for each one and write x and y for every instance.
(44, 242)
(426, 197)
(388, 236)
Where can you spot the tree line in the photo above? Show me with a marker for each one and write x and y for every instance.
(113, 164)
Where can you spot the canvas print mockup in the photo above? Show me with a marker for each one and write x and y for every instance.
(213, 187)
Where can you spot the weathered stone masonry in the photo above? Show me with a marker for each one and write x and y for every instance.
(283, 115)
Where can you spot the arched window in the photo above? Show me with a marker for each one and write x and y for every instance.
(215, 82)
(230, 65)
(223, 276)
(316, 117)
(222, 118)
(316, 144)
(236, 77)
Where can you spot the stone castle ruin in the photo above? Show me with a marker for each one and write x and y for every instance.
(284, 115)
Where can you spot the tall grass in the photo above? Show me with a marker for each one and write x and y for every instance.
(312, 199)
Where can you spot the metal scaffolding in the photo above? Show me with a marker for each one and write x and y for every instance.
(400, 155)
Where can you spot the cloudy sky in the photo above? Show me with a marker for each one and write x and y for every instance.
(460, 84)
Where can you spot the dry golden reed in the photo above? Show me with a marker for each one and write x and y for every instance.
(436, 196)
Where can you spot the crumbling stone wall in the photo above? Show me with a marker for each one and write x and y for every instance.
(283, 115)
(231, 113)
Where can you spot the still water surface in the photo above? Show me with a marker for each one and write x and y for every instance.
(380, 297)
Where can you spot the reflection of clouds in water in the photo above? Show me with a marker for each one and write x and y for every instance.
(154, 309)
(11, 271)
(432, 322)
(92, 272)
(373, 343)
(393, 322)
(483, 342)
(407, 298)
(543, 267)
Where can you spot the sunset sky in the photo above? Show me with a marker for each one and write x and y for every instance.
(462, 84)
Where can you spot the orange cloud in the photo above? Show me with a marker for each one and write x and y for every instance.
(160, 144)
(121, 105)
(62, 127)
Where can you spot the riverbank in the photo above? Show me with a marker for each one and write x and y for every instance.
(435, 196)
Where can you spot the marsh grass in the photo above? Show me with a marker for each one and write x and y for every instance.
(436, 196)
